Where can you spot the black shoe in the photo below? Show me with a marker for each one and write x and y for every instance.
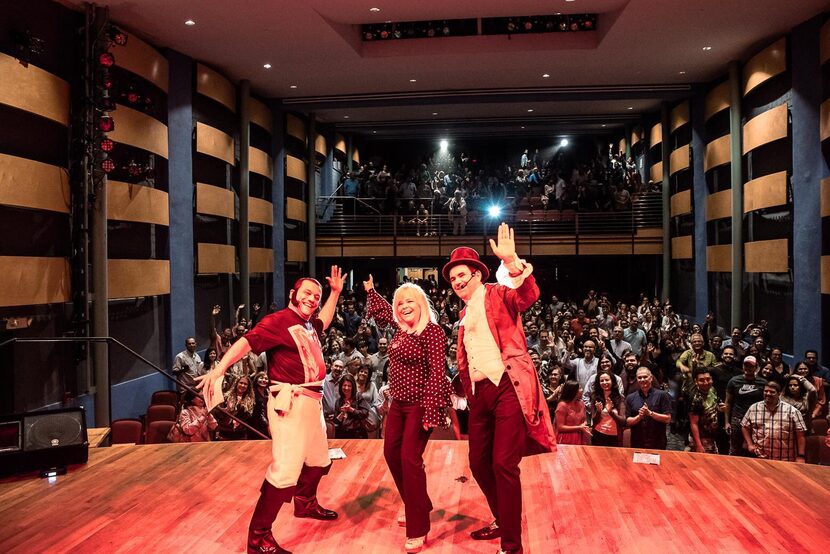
(264, 544)
(315, 512)
(490, 532)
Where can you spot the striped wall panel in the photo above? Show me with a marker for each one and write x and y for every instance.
(340, 144)
(762, 129)
(765, 192)
(28, 281)
(211, 200)
(260, 211)
(719, 205)
(261, 115)
(215, 258)
(140, 130)
(296, 169)
(825, 274)
(679, 116)
(295, 127)
(296, 209)
(718, 152)
(681, 203)
(717, 100)
(766, 256)
(140, 58)
(261, 260)
(320, 145)
(679, 159)
(656, 135)
(127, 202)
(260, 162)
(133, 278)
(657, 172)
(213, 142)
(30, 184)
(213, 85)
(296, 251)
(33, 90)
(719, 258)
(682, 248)
(765, 65)
(825, 197)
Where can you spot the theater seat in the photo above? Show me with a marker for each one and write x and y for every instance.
(157, 431)
(165, 397)
(160, 412)
(812, 450)
(125, 431)
(820, 426)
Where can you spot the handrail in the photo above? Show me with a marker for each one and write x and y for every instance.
(135, 354)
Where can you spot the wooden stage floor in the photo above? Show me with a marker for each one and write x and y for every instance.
(199, 498)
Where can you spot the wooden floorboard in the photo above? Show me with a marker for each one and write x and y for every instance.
(199, 498)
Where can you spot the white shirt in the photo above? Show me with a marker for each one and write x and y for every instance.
(483, 354)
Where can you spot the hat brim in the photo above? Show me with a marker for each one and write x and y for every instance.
(475, 264)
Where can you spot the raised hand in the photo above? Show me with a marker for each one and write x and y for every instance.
(505, 248)
(370, 284)
(216, 310)
(336, 280)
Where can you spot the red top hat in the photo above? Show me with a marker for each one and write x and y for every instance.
(467, 256)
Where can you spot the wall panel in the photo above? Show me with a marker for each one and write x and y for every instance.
(213, 142)
(215, 258)
(27, 281)
(717, 153)
(679, 116)
(679, 159)
(656, 135)
(682, 248)
(295, 127)
(719, 258)
(765, 65)
(296, 169)
(140, 58)
(140, 130)
(766, 256)
(261, 115)
(212, 200)
(127, 202)
(717, 100)
(765, 192)
(296, 209)
(296, 251)
(132, 278)
(657, 172)
(213, 85)
(30, 184)
(260, 162)
(681, 203)
(261, 260)
(762, 129)
(719, 205)
(260, 211)
(33, 90)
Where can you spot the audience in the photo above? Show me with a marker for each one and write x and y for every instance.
(597, 385)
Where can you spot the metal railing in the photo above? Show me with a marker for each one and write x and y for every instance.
(134, 354)
(346, 218)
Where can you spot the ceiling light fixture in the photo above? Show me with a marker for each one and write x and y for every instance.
(630, 107)
(345, 117)
(545, 75)
(267, 66)
(434, 113)
(374, 10)
(529, 110)
(681, 72)
(707, 48)
(190, 23)
(413, 80)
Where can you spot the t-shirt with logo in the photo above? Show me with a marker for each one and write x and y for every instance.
(292, 347)
(744, 394)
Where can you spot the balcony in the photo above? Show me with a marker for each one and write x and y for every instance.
(349, 227)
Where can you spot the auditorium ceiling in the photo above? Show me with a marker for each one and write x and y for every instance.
(642, 52)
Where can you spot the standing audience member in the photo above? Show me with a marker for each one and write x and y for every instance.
(608, 410)
(742, 392)
(330, 387)
(800, 393)
(774, 430)
(804, 370)
(188, 365)
(569, 418)
(651, 409)
(703, 411)
(259, 419)
(221, 342)
(352, 411)
(635, 336)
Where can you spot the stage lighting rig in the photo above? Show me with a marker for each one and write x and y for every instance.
(26, 46)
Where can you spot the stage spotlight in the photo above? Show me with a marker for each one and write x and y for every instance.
(107, 166)
(106, 82)
(106, 59)
(106, 124)
(494, 211)
(118, 36)
(107, 144)
(106, 104)
(444, 144)
(134, 169)
(563, 143)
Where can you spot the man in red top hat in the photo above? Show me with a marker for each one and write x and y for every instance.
(509, 417)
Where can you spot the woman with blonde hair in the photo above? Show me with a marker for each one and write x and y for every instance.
(420, 395)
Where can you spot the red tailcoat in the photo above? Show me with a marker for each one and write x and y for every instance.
(504, 307)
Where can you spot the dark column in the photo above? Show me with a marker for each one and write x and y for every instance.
(278, 197)
(737, 179)
(180, 198)
(244, 188)
(665, 149)
(809, 167)
(311, 198)
(699, 192)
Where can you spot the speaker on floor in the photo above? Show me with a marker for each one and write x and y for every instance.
(43, 440)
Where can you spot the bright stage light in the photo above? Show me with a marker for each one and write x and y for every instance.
(563, 143)
(444, 144)
(494, 211)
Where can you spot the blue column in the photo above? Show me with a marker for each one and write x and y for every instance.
(808, 169)
(278, 197)
(699, 192)
(180, 199)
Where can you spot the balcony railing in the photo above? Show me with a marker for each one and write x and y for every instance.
(346, 216)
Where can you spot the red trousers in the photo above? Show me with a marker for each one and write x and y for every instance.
(497, 441)
(403, 448)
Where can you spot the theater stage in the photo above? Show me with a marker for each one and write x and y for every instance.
(199, 498)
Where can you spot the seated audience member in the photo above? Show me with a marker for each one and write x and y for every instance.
(194, 423)
(259, 419)
(607, 409)
(774, 430)
(351, 411)
(801, 394)
(331, 384)
(239, 402)
(649, 412)
(368, 391)
(803, 369)
(569, 419)
(742, 392)
(188, 365)
(703, 410)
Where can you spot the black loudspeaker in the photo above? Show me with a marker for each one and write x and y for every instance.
(37, 441)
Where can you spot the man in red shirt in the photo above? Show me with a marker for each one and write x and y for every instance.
(296, 368)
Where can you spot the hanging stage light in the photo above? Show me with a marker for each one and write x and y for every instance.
(106, 124)
(134, 169)
(106, 59)
(117, 36)
(107, 144)
(107, 165)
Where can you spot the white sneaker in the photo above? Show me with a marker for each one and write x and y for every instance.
(415, 545)
(402, 520)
